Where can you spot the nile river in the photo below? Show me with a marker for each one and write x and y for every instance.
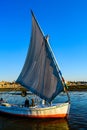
(77, 119)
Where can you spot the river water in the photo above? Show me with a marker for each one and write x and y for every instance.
(77, 119)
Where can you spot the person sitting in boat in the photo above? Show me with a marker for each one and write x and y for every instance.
(33, 104)
(44, 102)
(26, 102)
(1, 100)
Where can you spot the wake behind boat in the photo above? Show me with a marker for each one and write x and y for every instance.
(42, 76)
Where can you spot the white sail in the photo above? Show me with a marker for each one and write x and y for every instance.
(40, 72)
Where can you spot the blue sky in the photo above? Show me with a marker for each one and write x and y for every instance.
(64, 20)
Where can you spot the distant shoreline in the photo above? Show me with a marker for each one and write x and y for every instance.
(70, 88)
(77, 87)
(12, 89)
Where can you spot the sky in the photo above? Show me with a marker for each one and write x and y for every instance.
(64, 20)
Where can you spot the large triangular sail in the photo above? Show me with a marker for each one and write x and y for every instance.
(40, 73)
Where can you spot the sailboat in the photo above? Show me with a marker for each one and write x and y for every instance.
(42, 76)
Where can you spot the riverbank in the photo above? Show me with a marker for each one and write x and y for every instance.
(12, 86)
(77, 88)
(12, 89)
(20, 88)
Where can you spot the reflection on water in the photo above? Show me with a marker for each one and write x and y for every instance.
(77, 119)
(78, 111)
(27, 124)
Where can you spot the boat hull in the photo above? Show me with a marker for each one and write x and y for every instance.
(54, 111)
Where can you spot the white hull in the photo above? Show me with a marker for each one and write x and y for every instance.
(53, 111)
